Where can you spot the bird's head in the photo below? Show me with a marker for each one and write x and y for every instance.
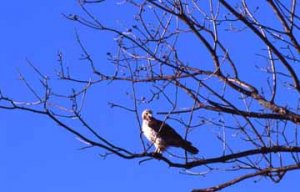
(147, 114)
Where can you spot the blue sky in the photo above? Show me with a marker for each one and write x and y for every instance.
(37, 155)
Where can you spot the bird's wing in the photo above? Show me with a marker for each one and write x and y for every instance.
(170, 136)
(165, 131)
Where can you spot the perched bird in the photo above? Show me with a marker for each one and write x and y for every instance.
(162, 135)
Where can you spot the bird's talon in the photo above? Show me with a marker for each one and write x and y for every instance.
(156, 154)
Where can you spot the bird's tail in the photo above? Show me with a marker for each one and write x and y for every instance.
(189, 147)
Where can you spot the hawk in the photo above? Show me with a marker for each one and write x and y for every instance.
(163, 135)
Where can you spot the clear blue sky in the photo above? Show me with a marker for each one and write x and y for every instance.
(37, 155)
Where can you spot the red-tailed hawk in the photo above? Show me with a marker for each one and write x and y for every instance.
(162, 135)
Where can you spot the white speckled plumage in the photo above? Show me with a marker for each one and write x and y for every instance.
(153, 137)
(161, 135)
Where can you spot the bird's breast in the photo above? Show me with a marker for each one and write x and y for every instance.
(149, 133)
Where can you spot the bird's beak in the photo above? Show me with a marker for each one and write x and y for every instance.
(150, 117)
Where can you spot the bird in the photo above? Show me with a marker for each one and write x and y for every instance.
(162, 135)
